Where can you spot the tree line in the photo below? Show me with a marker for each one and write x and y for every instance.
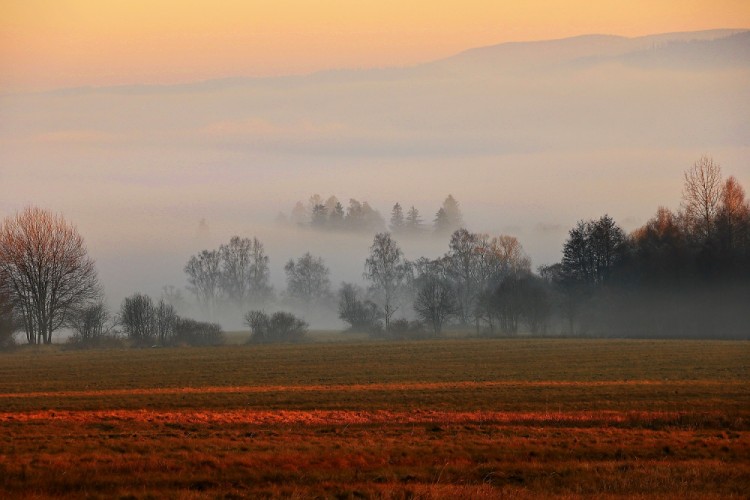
(684, 273)
(330, 215)
(482, 281)
(361, 217)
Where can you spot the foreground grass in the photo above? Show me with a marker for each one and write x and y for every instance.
(457, 418)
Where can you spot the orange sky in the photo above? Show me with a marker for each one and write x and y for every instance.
(58, 43)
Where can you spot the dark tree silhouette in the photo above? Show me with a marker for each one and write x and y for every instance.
(733, 226)
(592, 250)
(279, 327)
(145, 323)
(197, 333)
(660, 254)
(361, 314)
(90, 324)
(165, 323)
(435, 302)
(138, 319)
(45, 271)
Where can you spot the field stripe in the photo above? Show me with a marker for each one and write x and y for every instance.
(409, 386)
(355, 417)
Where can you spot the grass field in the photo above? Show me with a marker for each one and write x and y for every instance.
(430, 419)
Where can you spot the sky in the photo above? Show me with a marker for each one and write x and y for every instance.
(530, 138)
(47, 44)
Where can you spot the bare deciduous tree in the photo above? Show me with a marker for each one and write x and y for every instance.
(387, 270)
(235, 267)
(204, 276)
(307, 280)
(435, 302)
(701, 196)
(90, 324)
(463, 269)
(260, 276)
(138, 319)
(45, 270)
(165, 322)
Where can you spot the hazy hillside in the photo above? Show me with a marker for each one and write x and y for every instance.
(594, 48)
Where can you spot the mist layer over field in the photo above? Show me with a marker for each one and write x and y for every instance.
(529, 138)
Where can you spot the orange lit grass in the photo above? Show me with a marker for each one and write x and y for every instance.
(408, 386)
(422, 416)
(384, 454)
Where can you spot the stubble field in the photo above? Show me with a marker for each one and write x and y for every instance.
(430, 419)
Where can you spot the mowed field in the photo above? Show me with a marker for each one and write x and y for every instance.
(428, 419)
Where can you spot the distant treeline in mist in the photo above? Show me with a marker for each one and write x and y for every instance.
(684, 274)
(361, 217)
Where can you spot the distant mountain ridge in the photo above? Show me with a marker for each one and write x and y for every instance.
(598, 48)
(706, 48)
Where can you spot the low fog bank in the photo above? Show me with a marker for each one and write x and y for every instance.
(160, 264)
(716, 310)
(142, 234)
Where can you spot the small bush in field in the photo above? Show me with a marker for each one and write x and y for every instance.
(362, 315)
(197, 333)
(279, 327)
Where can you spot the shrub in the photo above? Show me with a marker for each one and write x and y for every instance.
(197, 333)
(90, 324)
(109, 340)
(279, 327)
(362, 315)
(145, 323)
(138, 319)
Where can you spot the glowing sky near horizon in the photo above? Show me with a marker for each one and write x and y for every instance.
(47, 44)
